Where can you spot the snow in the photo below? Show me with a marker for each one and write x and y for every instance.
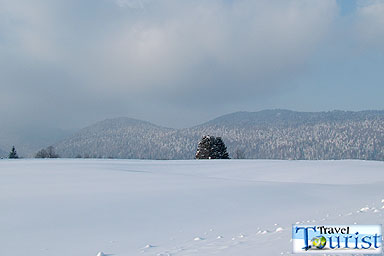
(84, 207)
(279, 229)
(364, 209)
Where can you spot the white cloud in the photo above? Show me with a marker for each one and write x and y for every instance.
(135, 4)
(192, 46)
(29, 29)
(168, 51)
(370, 23)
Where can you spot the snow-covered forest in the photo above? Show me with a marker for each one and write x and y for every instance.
(270, 134)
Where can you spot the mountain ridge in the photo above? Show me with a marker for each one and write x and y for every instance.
(272, 114)
(267, 134)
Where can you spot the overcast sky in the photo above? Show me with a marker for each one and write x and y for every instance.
(177, 63)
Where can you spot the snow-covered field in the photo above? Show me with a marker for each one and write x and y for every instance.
(132, 207)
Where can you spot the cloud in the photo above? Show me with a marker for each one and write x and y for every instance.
(132, 57)
(135, 4)
(370, 23)
(216, 46)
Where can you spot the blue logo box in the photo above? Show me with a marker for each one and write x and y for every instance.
(337, 239)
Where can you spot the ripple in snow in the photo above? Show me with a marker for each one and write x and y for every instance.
(279, 229)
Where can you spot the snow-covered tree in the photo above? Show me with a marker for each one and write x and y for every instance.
(49, 152)
(41, 154)
(238, 154)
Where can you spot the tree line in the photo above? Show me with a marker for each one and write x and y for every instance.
(48, 152)
(209, 147)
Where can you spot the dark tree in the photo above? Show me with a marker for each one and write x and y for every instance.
(49, 152)
(13, 154)
(220, 150)
(211, 148)
(42, 154)
(204, 148)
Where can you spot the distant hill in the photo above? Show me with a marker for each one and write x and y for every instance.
(284, 134)
(268, 134)
(118, 138)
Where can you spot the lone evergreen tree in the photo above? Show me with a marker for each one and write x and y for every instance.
(211, 148)
(13, 154)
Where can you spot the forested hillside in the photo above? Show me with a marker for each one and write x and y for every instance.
(269, 134)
